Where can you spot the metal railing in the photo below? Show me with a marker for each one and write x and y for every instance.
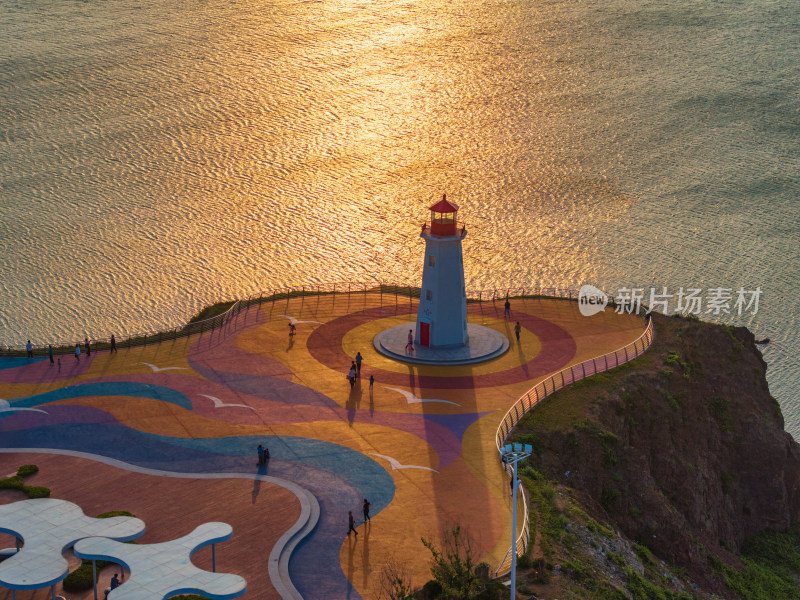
(220, 320)
(546, 388)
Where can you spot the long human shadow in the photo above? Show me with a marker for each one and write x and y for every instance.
(262, 470)
(354, 401)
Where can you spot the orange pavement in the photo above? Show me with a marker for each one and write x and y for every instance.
(207, 401)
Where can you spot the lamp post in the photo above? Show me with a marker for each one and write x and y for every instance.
(512, 454)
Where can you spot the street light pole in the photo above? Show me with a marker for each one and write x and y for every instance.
(513, 453)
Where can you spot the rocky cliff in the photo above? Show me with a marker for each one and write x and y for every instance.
(683, 451)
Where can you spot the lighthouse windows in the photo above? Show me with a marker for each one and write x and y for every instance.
(429, 294)
(431, 260)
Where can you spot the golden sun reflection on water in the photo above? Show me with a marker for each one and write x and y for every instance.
(157, 158)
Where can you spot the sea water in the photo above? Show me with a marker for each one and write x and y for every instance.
(157, 156)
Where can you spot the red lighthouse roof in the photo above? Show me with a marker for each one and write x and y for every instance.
(443, 206)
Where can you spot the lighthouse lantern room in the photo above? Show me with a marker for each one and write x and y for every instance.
(442, 313)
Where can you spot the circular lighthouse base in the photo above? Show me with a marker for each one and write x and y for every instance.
(484, 344)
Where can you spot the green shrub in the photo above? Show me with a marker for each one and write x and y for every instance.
(559, 522)
(453, 566)
(617, 559)
(531, 473)
(80, 579)
(530, 438)
(548, 493)
(115, 513)
(26, 470)
(578, 571)
(432, 589)
(36, 491)
(15, 482)
(718, 407)
(12, 483)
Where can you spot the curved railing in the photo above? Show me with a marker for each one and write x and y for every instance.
(546, 388)
(220, 320)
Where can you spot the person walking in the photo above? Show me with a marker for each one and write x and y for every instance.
(351, 376)
(88, 347)
(507, 309)
(371, 381)
(114, 584)
(113, 344)
(366, 510)
(517, 329)
(352, 525)
(359, 358)
(78, 352)
(29, 349)
(50, 354)
(261, 459)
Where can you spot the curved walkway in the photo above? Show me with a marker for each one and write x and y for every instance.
(197, 407)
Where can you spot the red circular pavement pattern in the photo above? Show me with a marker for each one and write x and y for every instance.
(558, 349)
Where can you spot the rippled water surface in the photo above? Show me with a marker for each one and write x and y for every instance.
(158, 156)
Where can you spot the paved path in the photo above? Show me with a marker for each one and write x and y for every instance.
(169, 432)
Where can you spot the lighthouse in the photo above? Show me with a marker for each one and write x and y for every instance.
(442, 312)
(441, 334)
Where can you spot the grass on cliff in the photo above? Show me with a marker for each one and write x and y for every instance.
(576, 555)
(771, 567)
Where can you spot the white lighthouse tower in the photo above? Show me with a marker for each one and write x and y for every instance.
(442, 335)
(442, 313)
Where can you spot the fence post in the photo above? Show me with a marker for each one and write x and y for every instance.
(626, 354)
(583, 366)
(605, 356)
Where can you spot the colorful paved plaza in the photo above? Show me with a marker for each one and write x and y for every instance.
(169, 432)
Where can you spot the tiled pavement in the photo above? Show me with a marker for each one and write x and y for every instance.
(148, 430)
